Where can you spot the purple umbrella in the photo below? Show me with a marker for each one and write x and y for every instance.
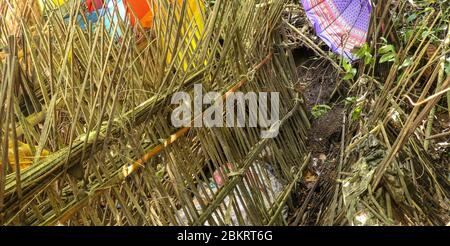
(341, 24)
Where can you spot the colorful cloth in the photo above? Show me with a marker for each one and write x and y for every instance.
(93, 5)
(112, 11)
(341, 24)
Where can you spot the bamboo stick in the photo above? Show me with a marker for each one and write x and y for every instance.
(128, 170)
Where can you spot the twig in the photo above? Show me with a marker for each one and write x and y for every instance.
(415, 104)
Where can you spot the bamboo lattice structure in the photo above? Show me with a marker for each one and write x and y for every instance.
(100, 104)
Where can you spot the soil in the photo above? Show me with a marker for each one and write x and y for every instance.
(317, 83)
(325, 131)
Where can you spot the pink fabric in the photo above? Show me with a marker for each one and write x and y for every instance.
(220, 175)
(341, 24)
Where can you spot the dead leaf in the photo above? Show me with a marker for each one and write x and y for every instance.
(309, 176)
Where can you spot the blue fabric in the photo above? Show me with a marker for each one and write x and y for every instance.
(108, 14)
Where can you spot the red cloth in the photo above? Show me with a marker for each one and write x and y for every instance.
(141, 9)
(93, 5)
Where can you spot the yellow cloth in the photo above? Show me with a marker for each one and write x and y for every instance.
(26, 156)
(52, 3)
(195, 10)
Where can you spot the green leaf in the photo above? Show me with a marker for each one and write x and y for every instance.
(411, 18)
(320, 110)
(348, 76)
(427, 33)
(387, 58)
(356, 113)
(346, 65)
(406, 63)
(389, 48)
(362, 52)
(350, 72)
(368, 59)
(408, 34)
(350, 100)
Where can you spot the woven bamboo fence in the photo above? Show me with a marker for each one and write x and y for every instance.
(89, 109)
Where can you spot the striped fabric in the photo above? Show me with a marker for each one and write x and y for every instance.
(341, 24)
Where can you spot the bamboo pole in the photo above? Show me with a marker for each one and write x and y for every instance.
(128, 170)
(52, 165)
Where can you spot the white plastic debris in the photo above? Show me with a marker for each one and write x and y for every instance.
(260, 177)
